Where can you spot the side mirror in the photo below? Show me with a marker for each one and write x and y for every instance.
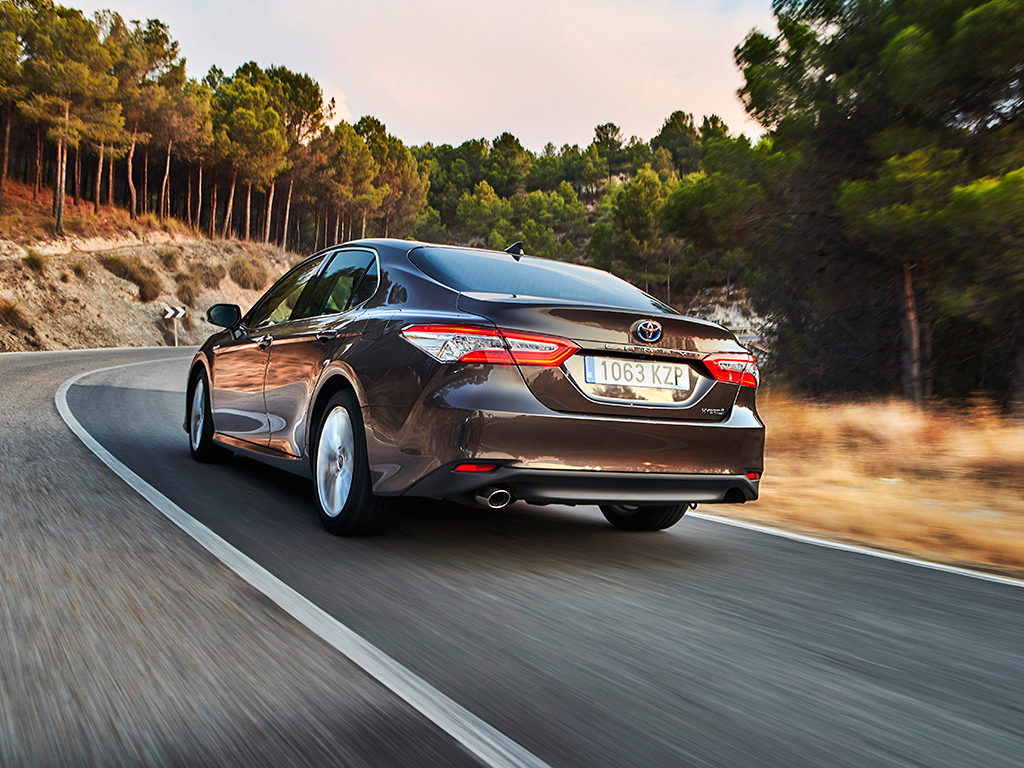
(225, 315)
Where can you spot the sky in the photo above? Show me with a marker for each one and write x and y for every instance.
(449, 70)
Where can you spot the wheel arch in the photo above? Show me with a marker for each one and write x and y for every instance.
(334, 379)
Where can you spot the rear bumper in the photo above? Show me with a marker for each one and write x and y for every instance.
(557, 456)
(547, 486)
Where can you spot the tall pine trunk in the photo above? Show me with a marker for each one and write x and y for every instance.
(248, 208)
(316, 232)
(287, 213)
(58, 192)
(145, 181)
(7, 147)
(363, 233)
(213, 208)
(39, 163)
(165, 187)
(99, 182)
(56, 181)
(110, 179)
(188, 198)
(231, 205)
(337, 224)
(912, 359)
(133, 195)
(199, 197)
(270, 210)
(78, 173)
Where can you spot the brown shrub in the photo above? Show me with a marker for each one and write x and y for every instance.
(207, 275)
(36, 261)
(79, 269)
(249, 272)
(134, 271)
(11, 314)
(188, 289)
(169, 258)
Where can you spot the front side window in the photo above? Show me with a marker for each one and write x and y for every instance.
(349, 279)
(279, 302)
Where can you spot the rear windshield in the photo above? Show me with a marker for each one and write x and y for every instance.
(499, 273)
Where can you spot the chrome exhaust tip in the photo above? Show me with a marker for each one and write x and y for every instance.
(494, 498)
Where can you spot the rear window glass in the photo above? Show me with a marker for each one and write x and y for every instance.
(499, 273)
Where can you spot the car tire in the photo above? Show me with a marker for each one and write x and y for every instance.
(200, 423)
(638, 518)
(341, 472)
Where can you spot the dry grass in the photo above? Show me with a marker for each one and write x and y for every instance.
(11, 315)
(188, 289)
(131, 268)
(79, 269)
(36, 261)
(169, 257)
(249, 272)
(945, 485)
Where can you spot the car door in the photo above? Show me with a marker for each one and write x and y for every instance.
(323, 328)
(240, 363)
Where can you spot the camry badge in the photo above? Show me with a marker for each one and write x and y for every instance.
(647, 331)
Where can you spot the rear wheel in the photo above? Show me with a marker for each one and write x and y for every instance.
(638, 518)
(341, 472)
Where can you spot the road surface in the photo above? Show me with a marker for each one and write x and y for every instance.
(705, 645)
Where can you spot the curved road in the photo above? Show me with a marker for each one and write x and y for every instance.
(702, 645)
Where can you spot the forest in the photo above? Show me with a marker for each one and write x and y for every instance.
(877, 223)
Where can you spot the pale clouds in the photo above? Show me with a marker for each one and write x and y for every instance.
(450, 70)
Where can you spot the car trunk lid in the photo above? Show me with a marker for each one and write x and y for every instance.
(615, 373)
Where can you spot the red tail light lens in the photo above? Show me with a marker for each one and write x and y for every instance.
(469, 344)
(476, 467)
(734, 368)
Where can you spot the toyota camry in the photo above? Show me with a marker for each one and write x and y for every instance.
(385, 368)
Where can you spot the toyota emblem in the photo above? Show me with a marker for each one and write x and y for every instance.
(647, 331)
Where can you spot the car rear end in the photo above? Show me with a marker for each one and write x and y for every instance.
(593, 393)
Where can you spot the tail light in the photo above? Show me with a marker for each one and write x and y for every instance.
(734, 368)
(469, 344)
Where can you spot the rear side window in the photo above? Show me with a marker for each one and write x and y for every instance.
(349, 279)
(530, 277)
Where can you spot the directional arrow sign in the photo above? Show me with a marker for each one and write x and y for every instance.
(174, 312)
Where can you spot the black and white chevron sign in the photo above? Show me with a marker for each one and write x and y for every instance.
(174, 312)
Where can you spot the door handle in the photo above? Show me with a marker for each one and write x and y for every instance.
(264, 341)
(327, 335)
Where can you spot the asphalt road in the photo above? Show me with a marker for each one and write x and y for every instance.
(702, 645)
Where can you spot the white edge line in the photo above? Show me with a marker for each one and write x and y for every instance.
(859, 550)
(482, 740)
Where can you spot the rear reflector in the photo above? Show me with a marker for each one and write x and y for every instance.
(753, 475)
(476, 467)
(470, 344)
(734, 368)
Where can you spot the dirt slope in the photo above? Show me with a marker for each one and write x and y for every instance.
(59, 294)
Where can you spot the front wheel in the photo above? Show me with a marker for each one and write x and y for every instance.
(341, 472)
(637, 518)
(200, 423)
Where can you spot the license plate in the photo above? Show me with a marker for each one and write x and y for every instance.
(635, 373)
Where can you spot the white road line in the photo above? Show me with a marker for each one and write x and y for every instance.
(879, 553)
(482, 740)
